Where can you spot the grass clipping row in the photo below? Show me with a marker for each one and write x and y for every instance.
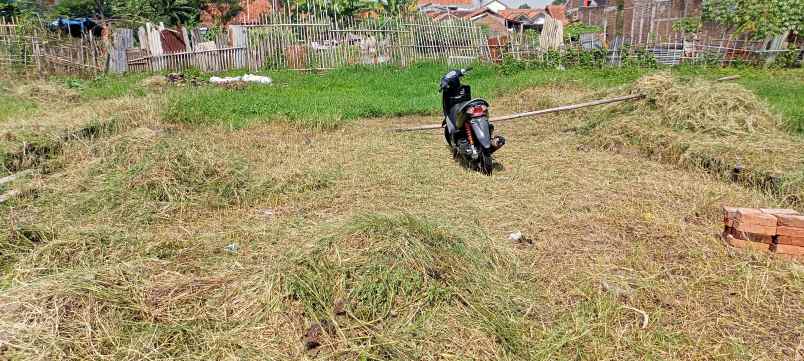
(719, 127)
(705, 106)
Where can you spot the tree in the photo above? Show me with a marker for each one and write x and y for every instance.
(175, 12)
(225, 10)
(763, 18)
(524, 7)
(559, 2)
(82, 8)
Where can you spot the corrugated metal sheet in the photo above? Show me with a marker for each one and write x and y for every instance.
(172, 41)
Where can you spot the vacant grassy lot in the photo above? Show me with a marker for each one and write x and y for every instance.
(205, 223)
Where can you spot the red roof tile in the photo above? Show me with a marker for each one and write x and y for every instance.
(516, 14)
(477, 12)
(446, 2)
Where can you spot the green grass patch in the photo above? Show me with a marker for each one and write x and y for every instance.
(11, 106)
(330, 99)
(108, 86)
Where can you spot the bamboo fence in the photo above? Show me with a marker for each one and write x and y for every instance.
(282, 41)
(31, 47)
(320, 40)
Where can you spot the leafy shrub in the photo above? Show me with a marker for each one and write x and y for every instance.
(687, 25)
(573, 31)
(639, 57)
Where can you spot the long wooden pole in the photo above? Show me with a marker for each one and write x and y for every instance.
(537, 112)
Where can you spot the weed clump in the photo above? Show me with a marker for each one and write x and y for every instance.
(704, 106)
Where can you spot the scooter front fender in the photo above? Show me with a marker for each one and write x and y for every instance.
(450, 126)
(480, 128)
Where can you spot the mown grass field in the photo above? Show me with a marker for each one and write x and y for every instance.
(208, 223)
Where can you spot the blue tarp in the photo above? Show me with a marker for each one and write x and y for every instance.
(76, 27)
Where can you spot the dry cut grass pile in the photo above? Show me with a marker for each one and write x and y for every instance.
(720, 108)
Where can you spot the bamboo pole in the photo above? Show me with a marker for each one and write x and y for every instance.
(538, 112)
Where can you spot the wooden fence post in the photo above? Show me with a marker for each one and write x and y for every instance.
(122, 39)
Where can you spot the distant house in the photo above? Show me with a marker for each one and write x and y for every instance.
(489, 19)
(522, 19)
(495, 5)
(499, 16)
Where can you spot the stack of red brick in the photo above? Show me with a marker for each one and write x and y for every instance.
(776, 230)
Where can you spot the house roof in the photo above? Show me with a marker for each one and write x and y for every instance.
(422, 3)
(521, 14)
(477, 13)
(445, 16)
(482, 12)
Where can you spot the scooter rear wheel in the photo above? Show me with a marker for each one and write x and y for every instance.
(485, 163)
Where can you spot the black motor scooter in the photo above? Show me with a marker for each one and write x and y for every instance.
(467, 128)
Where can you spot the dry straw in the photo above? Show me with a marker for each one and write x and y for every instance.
(705, 106)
